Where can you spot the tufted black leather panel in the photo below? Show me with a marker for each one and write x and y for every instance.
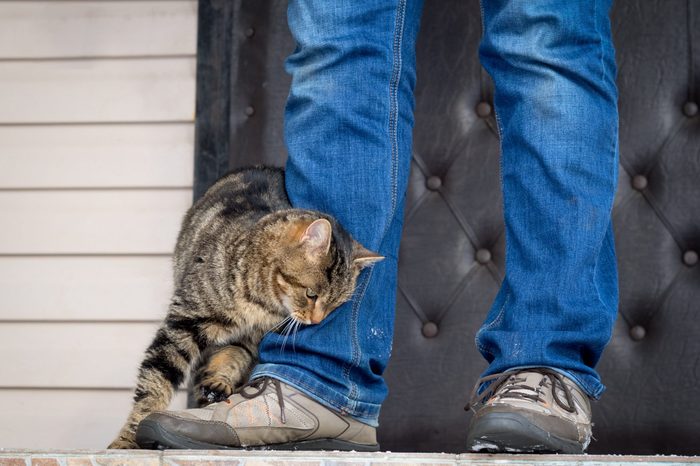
(449, 275)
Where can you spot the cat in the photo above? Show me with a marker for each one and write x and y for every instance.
(245, 263)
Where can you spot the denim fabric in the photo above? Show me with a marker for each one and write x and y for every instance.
(553, 66)
(348, 125)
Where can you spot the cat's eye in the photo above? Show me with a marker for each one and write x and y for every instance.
(311, 294)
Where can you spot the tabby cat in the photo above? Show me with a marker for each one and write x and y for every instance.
(245, 263)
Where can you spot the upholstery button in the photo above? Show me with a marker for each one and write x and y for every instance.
(639, 182)
(638, 333)
(250, 32)
(249, 110)
(433, 183)
(483, 256)
(430, 329)
(483, 109)
(690, 109)
(690, 258)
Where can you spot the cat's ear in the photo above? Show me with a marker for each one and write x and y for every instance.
(317, 237)
(363, 257)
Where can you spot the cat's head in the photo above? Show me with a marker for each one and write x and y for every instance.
(318, 267)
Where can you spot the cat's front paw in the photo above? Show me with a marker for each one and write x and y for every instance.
(212, 390)
(123, 444)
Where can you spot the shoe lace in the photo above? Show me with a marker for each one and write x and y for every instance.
(260, 385)
(516, 389)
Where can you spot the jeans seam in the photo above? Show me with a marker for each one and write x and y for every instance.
(483, 24)
(499, 127)
(614, 145)
(355, 347)
(493, 323)
(394, 82)
(600, 39)
(394, 105)
(603, 244)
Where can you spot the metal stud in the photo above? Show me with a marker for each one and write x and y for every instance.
(483, 109)
(483, 256)
(639, 182)
(433, 183)
(637, 333)
(430, 330)
(690, 258)
(690, 109)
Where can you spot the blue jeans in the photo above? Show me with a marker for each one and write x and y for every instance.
(349, 120)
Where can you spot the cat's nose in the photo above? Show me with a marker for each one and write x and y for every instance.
(317, 316)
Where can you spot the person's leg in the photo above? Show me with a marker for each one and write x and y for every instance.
(348, 125)
(553, 66)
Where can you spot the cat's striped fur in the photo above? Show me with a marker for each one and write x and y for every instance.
(244, 262)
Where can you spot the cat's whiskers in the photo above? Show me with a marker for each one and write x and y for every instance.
(284, 321)
(287, 330)
(296, 326)
(291, 329)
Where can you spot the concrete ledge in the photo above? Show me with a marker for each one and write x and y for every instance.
(303, 458)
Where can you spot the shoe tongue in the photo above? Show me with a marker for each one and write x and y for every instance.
(534, 379)
(524, 383)
(529, 379)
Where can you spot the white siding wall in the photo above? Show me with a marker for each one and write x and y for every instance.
(96, 152)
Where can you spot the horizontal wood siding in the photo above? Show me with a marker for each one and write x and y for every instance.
(96, 164)
(61, 419)
(133, 221)
(75, 355)
(96, 91)
(65, 29)
(87, 288)
(109, 155)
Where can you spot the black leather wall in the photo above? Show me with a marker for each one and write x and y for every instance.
(449, 275)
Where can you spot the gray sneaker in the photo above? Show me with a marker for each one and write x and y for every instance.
(264, 414)
(529, 411)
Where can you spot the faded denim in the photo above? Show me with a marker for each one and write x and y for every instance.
(348, 125)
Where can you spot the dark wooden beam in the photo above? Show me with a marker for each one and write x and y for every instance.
(212, 128)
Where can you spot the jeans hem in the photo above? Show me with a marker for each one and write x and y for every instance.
(592, 387)
(367, 413)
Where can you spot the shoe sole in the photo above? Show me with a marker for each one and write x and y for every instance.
(152, 436)
(512, 433)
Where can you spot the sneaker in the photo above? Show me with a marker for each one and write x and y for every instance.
(529, 411)
(263, 414)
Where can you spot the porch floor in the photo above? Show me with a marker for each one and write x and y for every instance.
(272, 458)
